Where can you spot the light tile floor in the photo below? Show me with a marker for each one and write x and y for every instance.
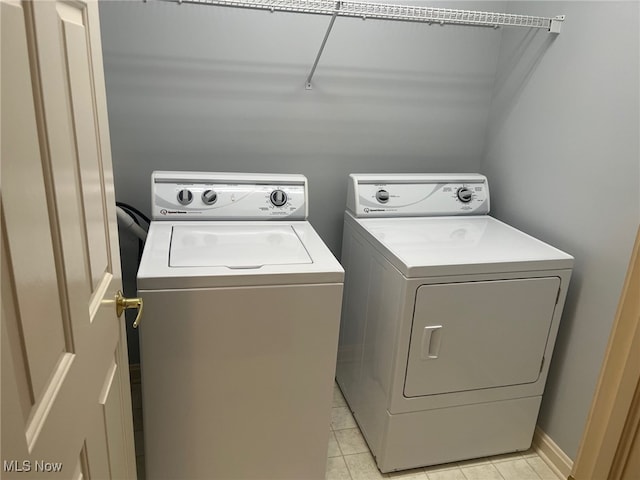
(349, 458)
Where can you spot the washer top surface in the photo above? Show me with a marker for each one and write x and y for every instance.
(454, 245)
(219, 229)
(236, 246)
(191, 254)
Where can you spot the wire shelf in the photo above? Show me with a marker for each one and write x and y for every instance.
(383, 11)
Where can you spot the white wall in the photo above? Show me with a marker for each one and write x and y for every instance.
(563, 161)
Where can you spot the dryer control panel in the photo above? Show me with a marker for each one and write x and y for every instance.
(228, 196)
(403, 195)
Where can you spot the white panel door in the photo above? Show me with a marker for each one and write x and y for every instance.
(474, 335)
(66, 405)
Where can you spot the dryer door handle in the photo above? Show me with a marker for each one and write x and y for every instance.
(431, 337)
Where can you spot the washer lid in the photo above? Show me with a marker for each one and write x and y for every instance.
(236, 247)
(427, 246)
(187, 254)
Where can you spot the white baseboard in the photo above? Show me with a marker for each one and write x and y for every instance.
(552, 454)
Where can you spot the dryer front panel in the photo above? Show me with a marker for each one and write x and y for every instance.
(479, 335)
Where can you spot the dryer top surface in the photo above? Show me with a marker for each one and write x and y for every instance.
(427, 246)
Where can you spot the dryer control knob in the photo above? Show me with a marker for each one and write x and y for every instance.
(382, 196)
(209, 197)
(278, 198)
(185, 197)
(464, 195)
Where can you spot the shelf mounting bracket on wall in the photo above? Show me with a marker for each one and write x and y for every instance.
(308, 85)
(382, 11)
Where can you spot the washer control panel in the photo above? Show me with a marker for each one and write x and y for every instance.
(399, 195)
(227, 196)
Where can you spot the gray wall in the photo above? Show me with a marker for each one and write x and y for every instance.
(563, 162)
(216, 89)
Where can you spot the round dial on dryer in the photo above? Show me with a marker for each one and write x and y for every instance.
(278, 198)
(382, 196)
(209, 197)
(185, 197)
(464, 194)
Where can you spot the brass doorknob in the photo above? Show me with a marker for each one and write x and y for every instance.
(123, 304)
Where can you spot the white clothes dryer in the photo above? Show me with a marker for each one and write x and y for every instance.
(449, 320)
(241, 319)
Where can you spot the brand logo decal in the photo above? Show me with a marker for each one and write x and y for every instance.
(164, 211)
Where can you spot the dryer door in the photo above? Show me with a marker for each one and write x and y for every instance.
(477, 335)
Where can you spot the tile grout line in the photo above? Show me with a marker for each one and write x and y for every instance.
(499, 473)
(526, 459)
(348, 469)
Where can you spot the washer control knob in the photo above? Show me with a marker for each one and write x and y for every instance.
(464, 195)
(382, 196)
(209, 197)
(185, 197)
(278, 198)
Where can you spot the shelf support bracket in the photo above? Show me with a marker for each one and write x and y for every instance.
(308, 85)
(556, 24)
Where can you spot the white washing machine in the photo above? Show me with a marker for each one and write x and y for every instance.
(240, 330)
(448, 322)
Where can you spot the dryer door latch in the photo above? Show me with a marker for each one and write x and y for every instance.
(431, 336)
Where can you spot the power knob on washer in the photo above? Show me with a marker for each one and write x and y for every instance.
(209, 197)
(185, 197)
(278, 198)
(464, 195)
